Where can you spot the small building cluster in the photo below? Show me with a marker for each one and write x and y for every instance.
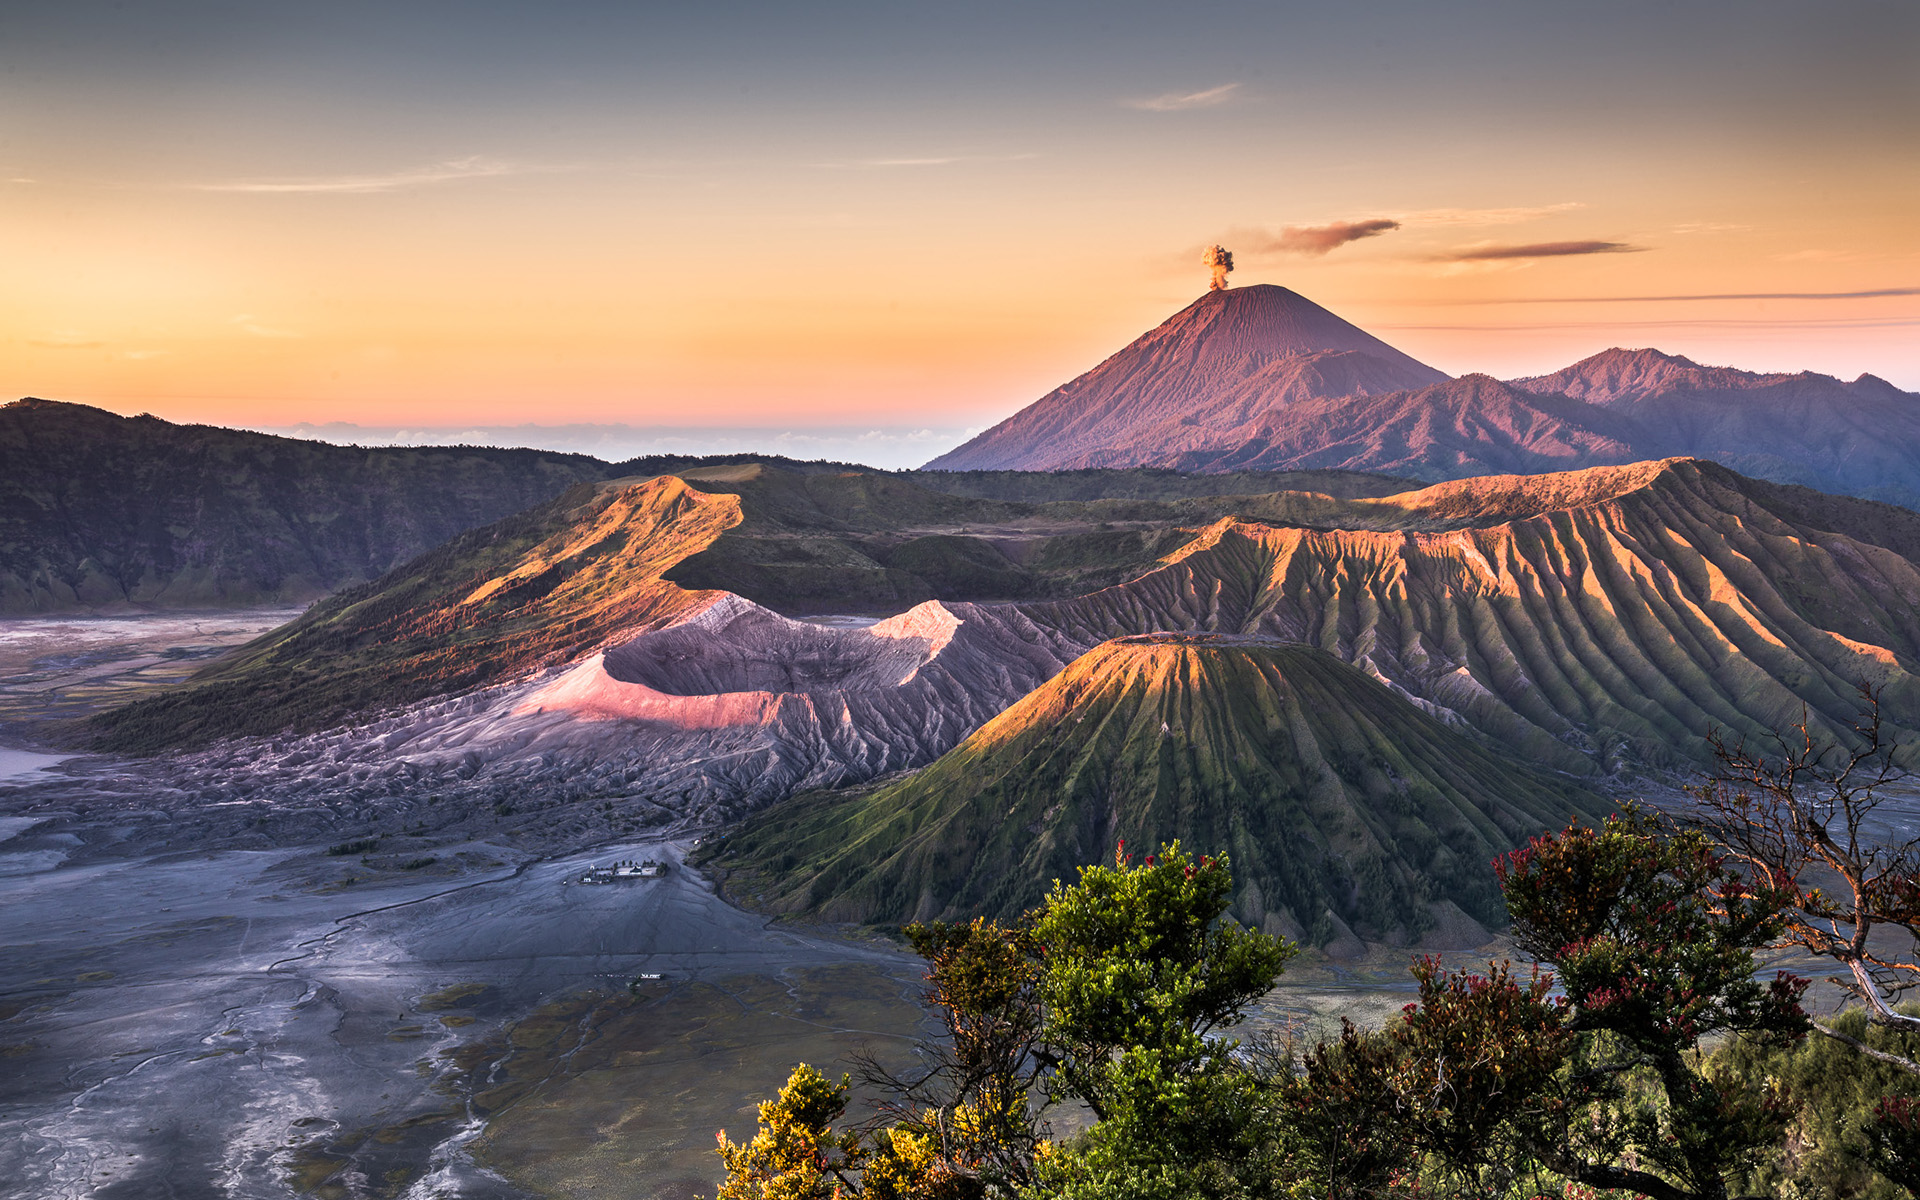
(624, 871)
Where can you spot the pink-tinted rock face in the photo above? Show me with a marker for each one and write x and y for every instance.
(736, 646)
(733, 663)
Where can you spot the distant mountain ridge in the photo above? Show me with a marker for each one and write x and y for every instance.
(103, 511)
(1199, 394)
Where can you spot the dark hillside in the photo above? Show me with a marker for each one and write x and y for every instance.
(98, 510)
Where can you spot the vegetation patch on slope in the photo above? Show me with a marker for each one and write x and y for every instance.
(1347, 811)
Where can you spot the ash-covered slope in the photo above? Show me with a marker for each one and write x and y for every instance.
(1346, 809)
(1210, 369)
(98, 510)
(1595, 622)
(1473, 425)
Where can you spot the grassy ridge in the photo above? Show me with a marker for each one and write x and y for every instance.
(1346, 809)
(538, 588)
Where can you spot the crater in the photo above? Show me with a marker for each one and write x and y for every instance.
(740, 647)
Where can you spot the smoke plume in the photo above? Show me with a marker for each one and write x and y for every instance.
(1219, 260)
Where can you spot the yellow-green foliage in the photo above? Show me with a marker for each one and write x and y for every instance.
(1833, 1089)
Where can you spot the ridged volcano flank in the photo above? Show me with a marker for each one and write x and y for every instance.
(1345, 808)
(1211, 368)
(541, 587)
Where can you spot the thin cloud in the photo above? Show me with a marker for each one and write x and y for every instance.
(1875, 294)
(1318, 240)
(1497, 253)
(1486, 216)
(1181, 101)
(443, 172)
(66, 340)
(945, 160)
(249, 326)
(1678, 323)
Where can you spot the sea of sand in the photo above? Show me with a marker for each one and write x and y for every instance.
(433, 1016)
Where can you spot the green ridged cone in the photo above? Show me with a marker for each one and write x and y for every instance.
(1349, 812)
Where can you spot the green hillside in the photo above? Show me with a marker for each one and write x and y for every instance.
(1346, 809)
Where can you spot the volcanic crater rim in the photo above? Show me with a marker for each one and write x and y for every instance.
(761, 651)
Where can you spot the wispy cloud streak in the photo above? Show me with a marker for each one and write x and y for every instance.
(1537, 250)
(247, 325)
(931, 160)
(1181, 101)
(1486, 216)
(1875, 294)
(1318, 240)
(444, 172)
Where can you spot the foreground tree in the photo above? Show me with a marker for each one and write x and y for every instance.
(796, 1155)
(1141, 969)
(1804, 819)
(1845, 1108)
(1651, 937)
(1456, 1090)
(1110, 995)
(960, 1122)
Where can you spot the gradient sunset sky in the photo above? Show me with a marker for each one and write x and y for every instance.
(902, 215)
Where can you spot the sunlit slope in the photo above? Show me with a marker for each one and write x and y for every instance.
(1595, 621)
(1346, 809)
(1587, 619)
(539, 588)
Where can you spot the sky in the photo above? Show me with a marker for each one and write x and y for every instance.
(904, 221)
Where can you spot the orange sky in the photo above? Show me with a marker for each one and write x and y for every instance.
(680, 229)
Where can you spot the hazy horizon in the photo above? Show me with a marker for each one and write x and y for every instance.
(856, 216)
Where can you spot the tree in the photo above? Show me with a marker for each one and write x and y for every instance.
(1140, 970)
(1461, 1083)
(1651, 936)
(1842, 1105)
(1802, 820)
(966, 1112)
(1108, 994)
(796, 1155)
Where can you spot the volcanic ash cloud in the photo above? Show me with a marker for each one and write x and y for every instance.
(1219, 260)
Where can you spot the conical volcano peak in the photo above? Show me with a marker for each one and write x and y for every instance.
(1204, 375)
(1314, 776)
(1268, 319)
